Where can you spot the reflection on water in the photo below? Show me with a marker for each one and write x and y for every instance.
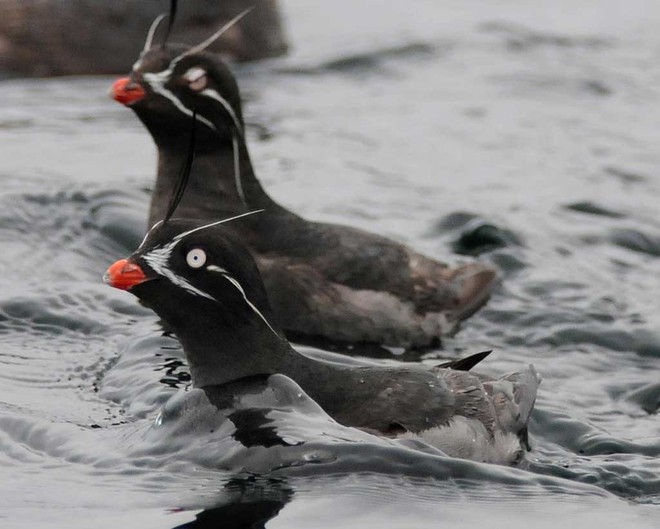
(521, 134)
(252, 505)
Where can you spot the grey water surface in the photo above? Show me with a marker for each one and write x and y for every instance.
(523, 134)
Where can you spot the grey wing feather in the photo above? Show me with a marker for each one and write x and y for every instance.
(513, 398)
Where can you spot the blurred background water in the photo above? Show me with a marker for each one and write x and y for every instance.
(520, 133)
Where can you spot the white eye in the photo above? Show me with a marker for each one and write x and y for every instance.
(196, 78)
(196, 258)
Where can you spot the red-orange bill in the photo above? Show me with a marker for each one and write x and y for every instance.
(124, 275)
(126, 91)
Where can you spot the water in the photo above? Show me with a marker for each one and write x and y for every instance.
(521, 133)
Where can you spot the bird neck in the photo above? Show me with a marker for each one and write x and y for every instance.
(213, 189)
(223, 346)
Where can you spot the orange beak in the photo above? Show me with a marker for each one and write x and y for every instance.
(124, 275)
(126, 91)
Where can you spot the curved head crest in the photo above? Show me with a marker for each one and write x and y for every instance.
(203, 45)
(156, 82)
(171, 16)
(170, 21)
(184, 174)
(182, 182)
(151, 32)
(154, 27)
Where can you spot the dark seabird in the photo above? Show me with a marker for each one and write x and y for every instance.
(203, 282)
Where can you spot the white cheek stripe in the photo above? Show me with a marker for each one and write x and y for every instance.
(213, 94)
(157, 83)
(238, 286)
(158, 260)
(214, 268)
(237, 169)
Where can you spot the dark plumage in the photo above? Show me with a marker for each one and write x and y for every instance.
(325, 281)
(206, 287)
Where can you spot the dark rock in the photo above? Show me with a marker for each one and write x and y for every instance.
(40, 38)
